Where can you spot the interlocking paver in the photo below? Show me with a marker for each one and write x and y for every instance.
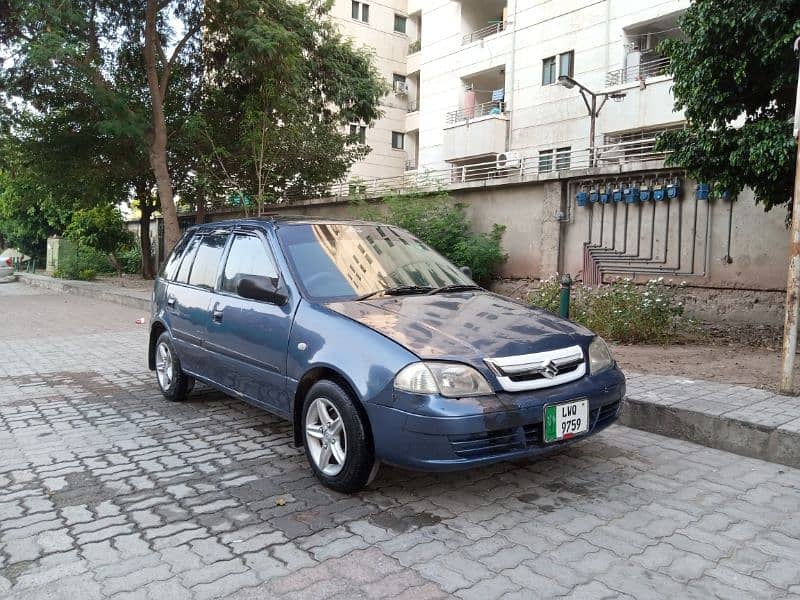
(106, 491)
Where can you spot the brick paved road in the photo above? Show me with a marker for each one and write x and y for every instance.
(106, 490)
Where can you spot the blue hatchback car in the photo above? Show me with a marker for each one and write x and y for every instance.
(374, 346)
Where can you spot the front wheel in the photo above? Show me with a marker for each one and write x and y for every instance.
(337, 444)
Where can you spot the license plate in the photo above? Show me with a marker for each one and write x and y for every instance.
(565, 421)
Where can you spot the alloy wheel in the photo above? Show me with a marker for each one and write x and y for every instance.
(164, 366)
(326, 438)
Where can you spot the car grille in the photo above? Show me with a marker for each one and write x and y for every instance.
(504, 441)
(538, 370)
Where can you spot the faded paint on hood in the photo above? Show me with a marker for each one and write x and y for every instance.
(464, 324)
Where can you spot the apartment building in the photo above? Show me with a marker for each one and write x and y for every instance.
(475, 79)
(381, 27)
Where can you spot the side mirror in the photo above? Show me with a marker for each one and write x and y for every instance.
(263, 289)
(466, 271)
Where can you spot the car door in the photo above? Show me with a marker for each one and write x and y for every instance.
(249, 338)
(189, 298)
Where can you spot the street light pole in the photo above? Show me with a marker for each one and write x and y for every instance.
(594, 110)
(793, 283)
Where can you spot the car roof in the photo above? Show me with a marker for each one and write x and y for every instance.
(279, 220)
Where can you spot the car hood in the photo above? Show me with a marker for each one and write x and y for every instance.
(463, 324)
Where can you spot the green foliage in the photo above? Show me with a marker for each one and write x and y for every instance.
(445, 227)
(131, 260)
(281, 88)
(621, 311)
(84, 265)
(101, 228)
(736, 61)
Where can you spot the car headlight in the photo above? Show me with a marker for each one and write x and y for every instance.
(452, 380)
(600, 357)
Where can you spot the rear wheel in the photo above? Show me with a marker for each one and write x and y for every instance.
(172, 381)
(336, 440)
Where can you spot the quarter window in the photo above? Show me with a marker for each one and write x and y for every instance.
(247, 257)
(206, 262)
(188, 258)
(170, 268)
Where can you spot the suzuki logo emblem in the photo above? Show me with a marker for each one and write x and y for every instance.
(549, 369)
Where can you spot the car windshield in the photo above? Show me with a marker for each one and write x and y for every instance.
(344, 261)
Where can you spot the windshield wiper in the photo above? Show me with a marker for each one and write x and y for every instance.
(397, 291)
(457, 287)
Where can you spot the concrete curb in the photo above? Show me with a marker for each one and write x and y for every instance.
(777, 443)
(87, 289)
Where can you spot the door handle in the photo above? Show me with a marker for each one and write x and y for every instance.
(171, 301)
(216, 315)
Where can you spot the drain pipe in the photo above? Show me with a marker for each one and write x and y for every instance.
(728, 258)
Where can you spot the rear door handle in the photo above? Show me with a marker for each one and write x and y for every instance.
(216, 315)
(171, 301)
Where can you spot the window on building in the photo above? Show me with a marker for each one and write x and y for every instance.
(399, 83)
(400, 23)
(398, 140)
(359, 132)
(549, 70)
(360, 11)
(563, 158)
(545, 161)
(566, 62)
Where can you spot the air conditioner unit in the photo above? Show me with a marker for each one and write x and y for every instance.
(509, 160)
(400, 88)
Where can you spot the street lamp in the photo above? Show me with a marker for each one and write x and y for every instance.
(594, 110)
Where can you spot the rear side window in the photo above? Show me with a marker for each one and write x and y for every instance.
(170, 268)
(206, 262)
(247, 257)
(188, 256)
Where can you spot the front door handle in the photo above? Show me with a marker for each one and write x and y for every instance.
(171, 301)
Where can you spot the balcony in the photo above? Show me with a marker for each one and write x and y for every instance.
(475, 112)
(479, 131)
(483, 32)
(639, 72)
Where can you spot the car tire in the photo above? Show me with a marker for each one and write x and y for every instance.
(336, 440)
(172, 381)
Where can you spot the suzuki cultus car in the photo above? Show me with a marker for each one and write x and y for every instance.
(375, 347)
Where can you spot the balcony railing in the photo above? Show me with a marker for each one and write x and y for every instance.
(474, 112)
(419, 178)
(415, 46)
(483, 32)
(644, 70)
(413, 106)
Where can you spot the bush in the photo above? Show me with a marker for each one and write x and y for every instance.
(623, 310)
(84, 265)
(131, 261)
(444, 226)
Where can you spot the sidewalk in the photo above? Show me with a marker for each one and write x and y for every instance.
(135, 298)
(738, 419)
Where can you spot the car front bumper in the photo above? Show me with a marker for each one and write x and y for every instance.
(444, 443)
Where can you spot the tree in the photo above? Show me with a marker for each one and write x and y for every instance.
(103, 229)
(735, 75)
(281, 87)
(111, 57)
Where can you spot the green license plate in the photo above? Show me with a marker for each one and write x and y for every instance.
(565, 421)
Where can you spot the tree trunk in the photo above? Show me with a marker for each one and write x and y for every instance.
(148, 271)
(200, 216)
(158, 145)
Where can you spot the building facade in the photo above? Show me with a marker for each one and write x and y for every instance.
(474, 79)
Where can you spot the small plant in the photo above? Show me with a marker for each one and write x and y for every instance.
(103, 229)
(86, 274)
(131, 260)
(622, 310)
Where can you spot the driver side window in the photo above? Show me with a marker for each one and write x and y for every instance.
(247, 256)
